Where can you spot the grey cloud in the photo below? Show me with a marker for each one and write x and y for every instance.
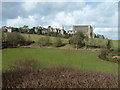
(49, 8)
(11, 10)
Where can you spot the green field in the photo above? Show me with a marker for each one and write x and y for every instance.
(56, 57)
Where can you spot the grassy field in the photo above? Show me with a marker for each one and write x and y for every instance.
(56, 57)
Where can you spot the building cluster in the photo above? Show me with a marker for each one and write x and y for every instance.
(86, 29)
(50, 29)
(35, 29)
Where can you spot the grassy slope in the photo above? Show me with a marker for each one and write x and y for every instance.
(100, 42)
(55, 57)
(35, 37)
(115, 43)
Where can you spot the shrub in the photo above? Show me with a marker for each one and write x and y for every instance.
(57, 42)
(44, 41)
(14, 39)
(109, 44)
(99, 43)
(104, 53)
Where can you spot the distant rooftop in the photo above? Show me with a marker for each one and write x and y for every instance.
(82, 25)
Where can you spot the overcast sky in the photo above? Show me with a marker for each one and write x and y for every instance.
(103, 16)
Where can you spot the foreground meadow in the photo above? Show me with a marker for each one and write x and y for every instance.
(55, 57)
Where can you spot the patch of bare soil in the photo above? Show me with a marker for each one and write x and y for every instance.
(58, 77)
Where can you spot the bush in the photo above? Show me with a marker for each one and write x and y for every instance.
(104, 53)
(57, 42)
(109, 44)
(15, 39)
(44, 41)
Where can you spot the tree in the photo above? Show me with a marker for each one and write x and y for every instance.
(31, 31)
(95, 36)
(78, 40)
(57, 42)
(14, 39)
(20, 30)
(103, 54)
(15, 30)
(4, 37)
(99, 36)
(109, 44)
(25, 26)
(49, 26)
(39, 31)
(103, 37)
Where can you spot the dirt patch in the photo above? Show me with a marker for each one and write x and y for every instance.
(58, 77)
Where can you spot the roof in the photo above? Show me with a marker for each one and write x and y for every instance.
(81, 25)
(7, 27)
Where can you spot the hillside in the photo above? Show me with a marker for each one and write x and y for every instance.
(90, 42)
(96, 42)
(115, 43)
(35, 37)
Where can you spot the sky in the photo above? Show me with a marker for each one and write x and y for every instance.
(102, 16)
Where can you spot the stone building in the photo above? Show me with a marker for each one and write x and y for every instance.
(58, 30)
(86, 29)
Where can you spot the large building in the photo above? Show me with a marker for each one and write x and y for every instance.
(86, 29)
(57, 30)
